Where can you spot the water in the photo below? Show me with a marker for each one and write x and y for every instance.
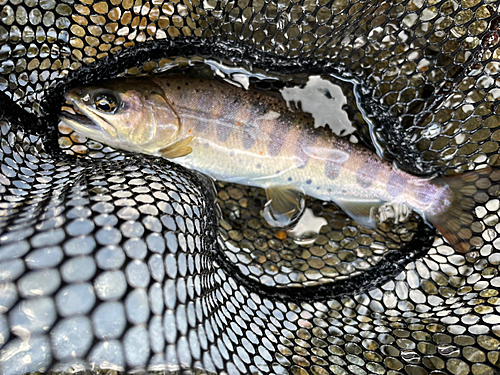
(324, 101)
(306, 230)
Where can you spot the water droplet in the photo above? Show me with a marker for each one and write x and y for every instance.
(284, 219)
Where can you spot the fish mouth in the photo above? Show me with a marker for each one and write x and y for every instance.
(79, 119)
(84, 120)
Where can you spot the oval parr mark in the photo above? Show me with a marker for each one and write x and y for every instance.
(202, 119)
(332, 169)
(334, 162)
(224, 129)
(396, 183)
(201, 124)
(338, 156)
(277, 138)
(252, 125)
(306, 140)
(367, 174)
(227, 120)
(251, 131)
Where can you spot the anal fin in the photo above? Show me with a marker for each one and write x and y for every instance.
(363, 211)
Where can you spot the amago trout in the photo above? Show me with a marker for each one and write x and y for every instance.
(251, 138)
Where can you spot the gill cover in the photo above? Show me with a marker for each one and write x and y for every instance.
(131, 114)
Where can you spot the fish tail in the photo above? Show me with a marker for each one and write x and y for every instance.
(459, 224)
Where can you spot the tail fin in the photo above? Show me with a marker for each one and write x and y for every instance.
(459, 225)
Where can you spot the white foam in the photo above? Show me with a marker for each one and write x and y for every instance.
(309, 223)
(324, 101)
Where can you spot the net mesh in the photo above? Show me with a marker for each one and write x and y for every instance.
(111, 262)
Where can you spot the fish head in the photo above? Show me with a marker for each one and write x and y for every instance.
(129, 114)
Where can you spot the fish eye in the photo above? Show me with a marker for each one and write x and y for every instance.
(106, 102)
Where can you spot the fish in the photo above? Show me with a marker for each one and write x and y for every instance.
(253, 138)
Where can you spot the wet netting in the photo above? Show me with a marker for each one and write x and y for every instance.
(112, 262)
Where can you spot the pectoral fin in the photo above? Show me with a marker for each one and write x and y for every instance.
(177, 149)
(285, 204)
(362, 211)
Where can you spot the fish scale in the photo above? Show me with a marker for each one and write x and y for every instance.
(287, 149)
(252, 138)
